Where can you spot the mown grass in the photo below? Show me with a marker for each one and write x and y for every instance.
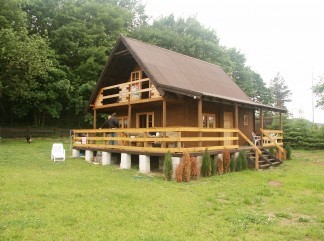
(75, 200)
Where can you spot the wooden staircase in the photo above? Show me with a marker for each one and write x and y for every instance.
(266, 159)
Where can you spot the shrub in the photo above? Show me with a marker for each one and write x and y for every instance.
(179, 172)
(213, 166)
(226, 160)
(167, 166)
(186, 167)
(194, 168)
(206, 165)
(233, 163)
(239, 162)
(244, 160)
(288, 151)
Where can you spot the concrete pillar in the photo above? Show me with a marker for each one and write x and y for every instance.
(88, 155)
(175, 163)
(75, 153)
(106, 158)
(199, 161)
(125, 161)
(144, 164)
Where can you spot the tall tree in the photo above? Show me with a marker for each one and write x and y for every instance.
(319, 91)
(279, 89)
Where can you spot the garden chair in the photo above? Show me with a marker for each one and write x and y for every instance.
(256, 139)
(58, 152)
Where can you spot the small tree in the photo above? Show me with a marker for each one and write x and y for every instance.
(288, 151)
(186, 167)
(244, 160)
(226, 160)
(220, 166)
(194, 168)
(179, 172)
(206, 165)
(233, 163)
(167, 166)
(239, 162)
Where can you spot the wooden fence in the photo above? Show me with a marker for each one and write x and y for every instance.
(33, 132)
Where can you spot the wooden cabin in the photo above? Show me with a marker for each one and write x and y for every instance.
(166, 101)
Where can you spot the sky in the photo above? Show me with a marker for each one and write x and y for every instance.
(277, 36)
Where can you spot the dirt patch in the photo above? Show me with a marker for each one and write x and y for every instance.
(275, 183)
(318, 163)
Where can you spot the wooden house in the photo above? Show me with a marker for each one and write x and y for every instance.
(166, 101)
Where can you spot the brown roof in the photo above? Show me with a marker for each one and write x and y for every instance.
(174, 72)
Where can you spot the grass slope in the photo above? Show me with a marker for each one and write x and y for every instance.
(75, 200)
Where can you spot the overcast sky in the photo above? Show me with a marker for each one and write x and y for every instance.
(285, 36)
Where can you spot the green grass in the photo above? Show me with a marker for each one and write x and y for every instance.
(75, 200)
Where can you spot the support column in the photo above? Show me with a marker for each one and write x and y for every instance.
(280, 115)
(129, 124)
(125, 161)
(256, 160)
(175, 163)
(106, 158)
(236, 121)
(88, 155)
(75, 153)
(164, 109)
(144, 164)
(261, 118)
(94, 119)
(200, 118)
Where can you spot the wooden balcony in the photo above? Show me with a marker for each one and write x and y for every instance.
(138, 91)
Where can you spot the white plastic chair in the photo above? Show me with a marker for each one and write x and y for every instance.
(256, 139)
(58, 152)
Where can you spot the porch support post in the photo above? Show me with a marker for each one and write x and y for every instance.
(125, 161)
(129, 124)
(200, 118)
(175, 163)
(256, 160)
(144, 164)
(164, 112)
(75, 153)
(236, 122)
(280, 114)
(88, 155)
(261, 118)
(94, 119)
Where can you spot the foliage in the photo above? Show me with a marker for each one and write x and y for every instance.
(186, 167)
(167, 166)
(233, 163)
(244, 160)
(220, 166)
(213, 166)
(280, 91)
(206, 164)
(179, 172)
(194, 168)
(288, 151)
(226, 160)
(319, 91)
(239, 162)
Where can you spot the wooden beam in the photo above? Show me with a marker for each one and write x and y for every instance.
(261, 118)
(236, 121)
(164, 112)
(129, 124)
(200, 119)
(280, 121)
(94, 119)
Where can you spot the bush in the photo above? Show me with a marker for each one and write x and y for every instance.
(186, 167)
(226, 160)
(244, 160)
(213, 166)
(233, 163)
(206, 165)
(194, 168)
(167, 166)
(220, 166)
(179, 172)
(288, 151)
(239, 162)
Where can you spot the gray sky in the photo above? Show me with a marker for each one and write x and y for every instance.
(285, 36)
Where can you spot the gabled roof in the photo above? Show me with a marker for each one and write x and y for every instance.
(173, 72)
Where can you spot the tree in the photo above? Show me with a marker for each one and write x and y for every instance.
(319, 91)
(280, 92)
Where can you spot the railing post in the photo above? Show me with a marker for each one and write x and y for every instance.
(256, 160)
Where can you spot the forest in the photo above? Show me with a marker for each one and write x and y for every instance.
(53, 51)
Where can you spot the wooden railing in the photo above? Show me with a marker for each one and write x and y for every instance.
(129, 91)
(156, 140)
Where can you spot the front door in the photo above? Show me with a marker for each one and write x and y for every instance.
(228, 124)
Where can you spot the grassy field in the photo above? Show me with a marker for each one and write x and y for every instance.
(75, 200)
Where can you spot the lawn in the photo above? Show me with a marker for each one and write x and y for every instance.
(75, 200)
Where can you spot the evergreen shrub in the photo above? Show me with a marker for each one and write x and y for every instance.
(206, 165)
(167, 166)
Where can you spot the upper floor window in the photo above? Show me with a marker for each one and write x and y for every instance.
(145, 120)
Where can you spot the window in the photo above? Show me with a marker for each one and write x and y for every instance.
(123, 121)
(145, 120)
(246, 120)
(135, 75)
(209, 120)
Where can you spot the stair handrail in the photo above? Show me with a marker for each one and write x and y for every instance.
(255, 147)
(272, 140)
